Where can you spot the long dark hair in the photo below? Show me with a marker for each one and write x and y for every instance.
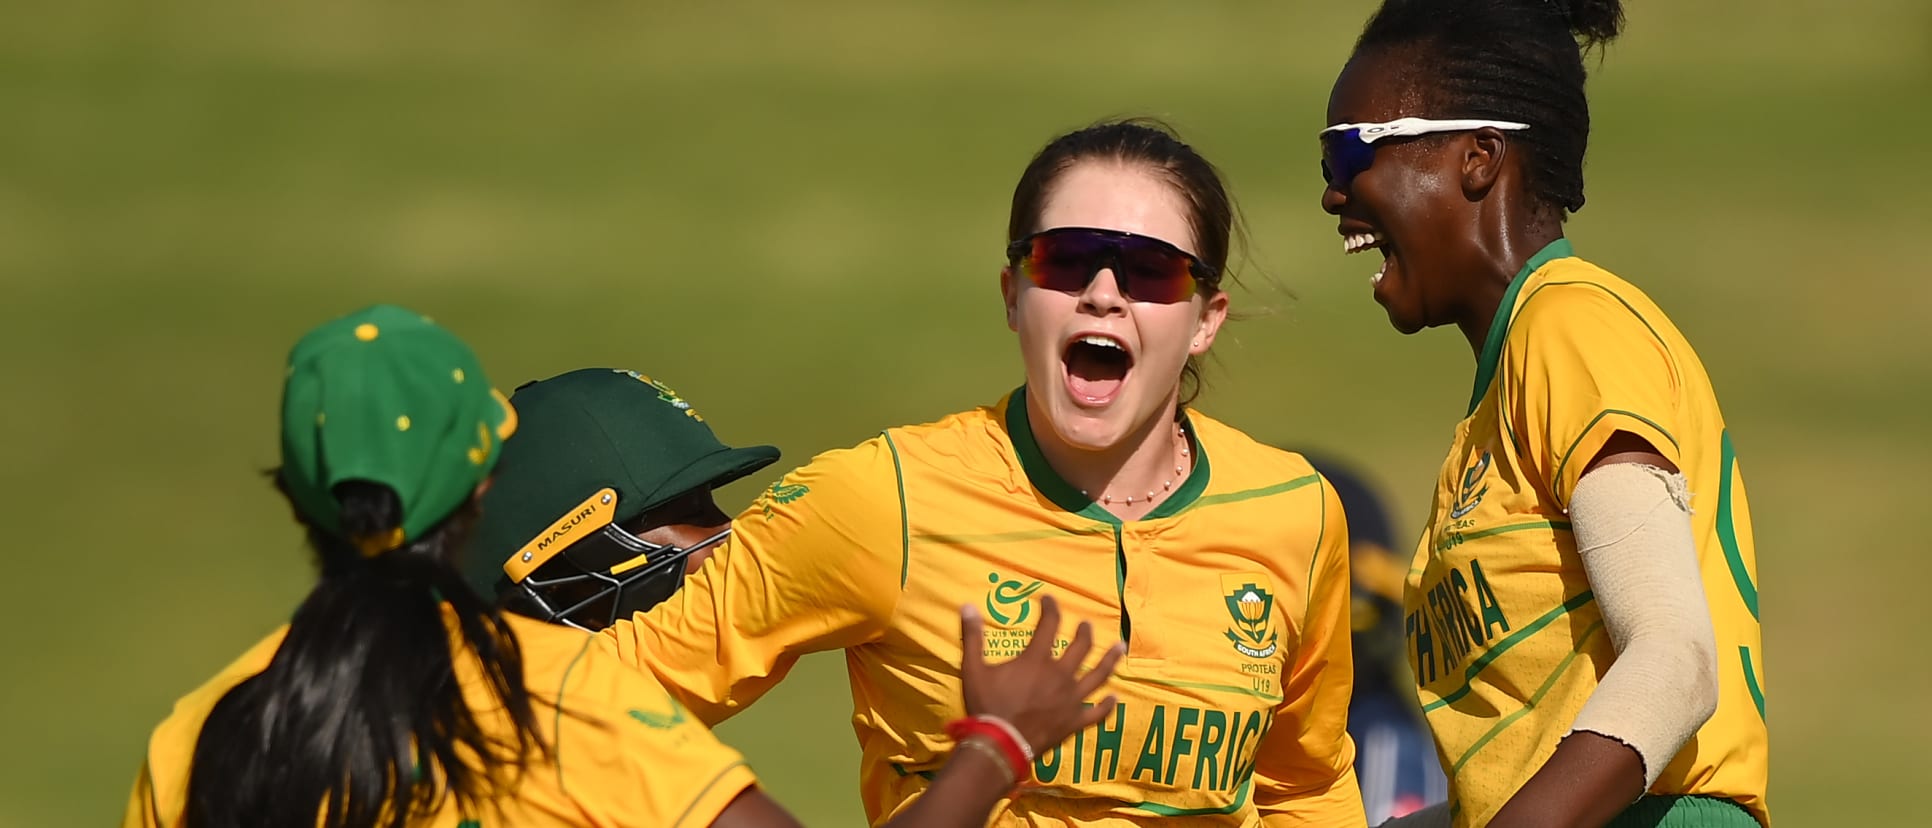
(359, 717)
(1512, 60)
(1147, 142)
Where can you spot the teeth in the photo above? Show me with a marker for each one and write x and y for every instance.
(1104, 342)
(1360, 242)
(1376, 278)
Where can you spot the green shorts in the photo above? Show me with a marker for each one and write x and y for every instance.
(1684, 812)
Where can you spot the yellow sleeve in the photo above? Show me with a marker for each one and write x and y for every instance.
(1579, 366)
(630, 755)
(140, 804)
(1305, 767)
(816, 563)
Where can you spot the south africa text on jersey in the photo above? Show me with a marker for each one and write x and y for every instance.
(1183, 747)
(1459, 614)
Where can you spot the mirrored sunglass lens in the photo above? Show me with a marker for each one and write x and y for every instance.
(1345, 155)
(1154, 273)
(1064, 261)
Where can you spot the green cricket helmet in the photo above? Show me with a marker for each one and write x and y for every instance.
(596, 449)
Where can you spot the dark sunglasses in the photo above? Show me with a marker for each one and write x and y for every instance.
(1348, 149)
(1147, 269)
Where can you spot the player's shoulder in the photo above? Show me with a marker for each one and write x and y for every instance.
(1576, 294)
(551, 653)
(968, 431)
(854, 476)
(1240, 458)
(602, 697)
(970, 447)
(171, 744)
(191, 709)
(622, 745)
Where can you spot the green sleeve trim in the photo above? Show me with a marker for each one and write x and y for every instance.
(706, 790)
(1503, 413)
(1727, 530)
(1476, 667)
(1240, 801)
(1250, 494)
(1529, 705)
(1591, 426)
(905, 523)
(1751, 681)
(556, 727)
(1315, 557)
(1558, 525)
(1009, 537)
(1505, 312)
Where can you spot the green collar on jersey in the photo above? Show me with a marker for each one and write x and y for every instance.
(1499, 327)
(1065, 496)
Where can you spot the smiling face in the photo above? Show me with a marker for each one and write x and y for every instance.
(1100, 367)
(1409, 205)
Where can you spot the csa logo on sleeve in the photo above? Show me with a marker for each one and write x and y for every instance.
(780, 494)
(1252, 607)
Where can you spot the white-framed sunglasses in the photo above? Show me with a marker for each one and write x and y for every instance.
(1348, 149)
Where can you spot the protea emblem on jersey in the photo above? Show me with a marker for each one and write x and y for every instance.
(1468, 497)
(1252, 607)
(1010, 602)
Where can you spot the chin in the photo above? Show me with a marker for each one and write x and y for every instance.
(1406, 326)
(1090, 429)
(1402, 323)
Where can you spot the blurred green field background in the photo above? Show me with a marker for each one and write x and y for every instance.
(793, 214)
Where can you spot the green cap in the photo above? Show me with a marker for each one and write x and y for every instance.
(384, 395)
(583, 433)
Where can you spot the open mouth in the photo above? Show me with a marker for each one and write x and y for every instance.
(1096, 367)
(1353, 243)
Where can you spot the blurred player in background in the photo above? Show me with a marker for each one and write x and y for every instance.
(1227, 586)
(1582, 618)
(1395, 758)
(396, 696)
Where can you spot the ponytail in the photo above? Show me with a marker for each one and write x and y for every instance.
(359, 718)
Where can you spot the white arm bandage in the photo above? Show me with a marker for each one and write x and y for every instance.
(1632, 525)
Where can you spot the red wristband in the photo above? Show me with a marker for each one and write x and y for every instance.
(998, 731)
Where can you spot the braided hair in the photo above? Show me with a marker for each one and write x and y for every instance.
(1508, 60)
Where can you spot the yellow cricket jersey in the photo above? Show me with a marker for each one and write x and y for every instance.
(625, 753)
(1505, 638)
(1232, 596)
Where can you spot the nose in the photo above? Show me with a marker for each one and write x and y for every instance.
(1333, 199)
(1103, 296)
